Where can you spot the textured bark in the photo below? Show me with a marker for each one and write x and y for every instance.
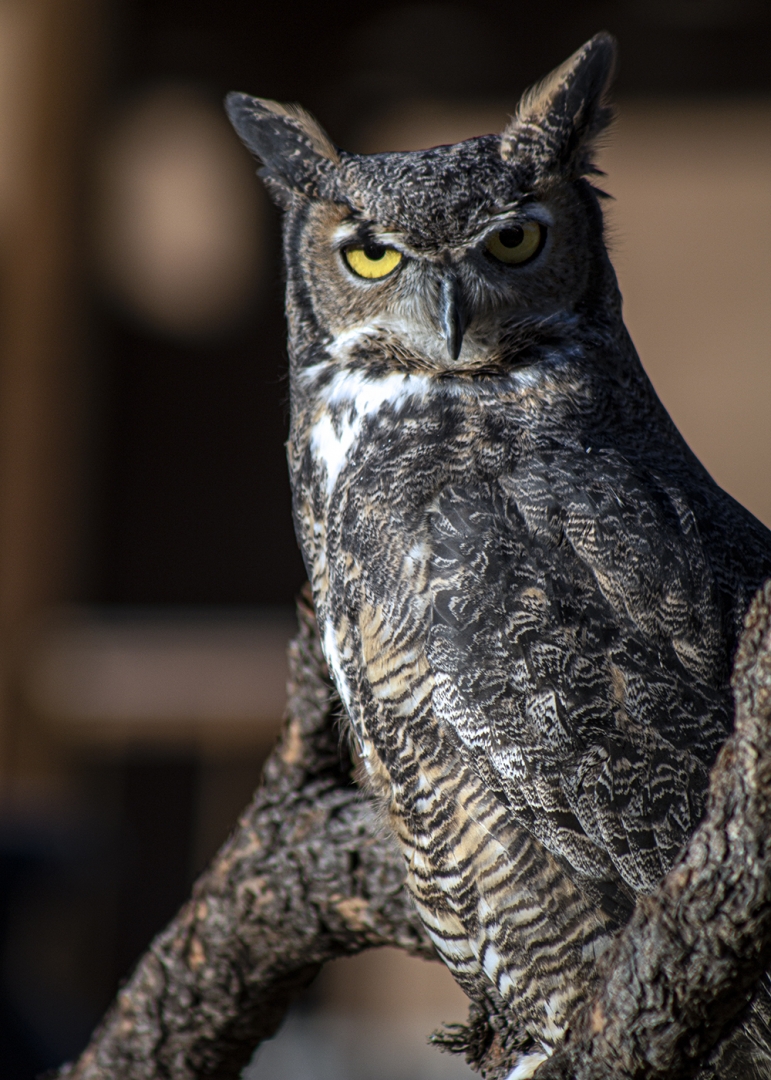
(308, 876)
(685, 965)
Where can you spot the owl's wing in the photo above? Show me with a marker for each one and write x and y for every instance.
(577, 647)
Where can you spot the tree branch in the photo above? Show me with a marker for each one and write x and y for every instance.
(307, 876)
(688, 961)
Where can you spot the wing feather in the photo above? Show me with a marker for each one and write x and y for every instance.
(578, 650)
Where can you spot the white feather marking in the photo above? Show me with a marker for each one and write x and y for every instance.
(332, 447)
(554, 1028)
(354, 396)
(332, 654)
(457, 949)
(526, 1066)
(526, 378)
(346, 230)
(419, 861)
(415, 560)
(340, 345)
(366, 751)
(506, 986)
(368, 395)
(358, 397)
(491, 963)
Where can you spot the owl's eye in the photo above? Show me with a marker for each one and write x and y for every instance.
(516, 243)
(372, 260)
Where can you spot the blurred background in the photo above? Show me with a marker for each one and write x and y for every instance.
(147, 560)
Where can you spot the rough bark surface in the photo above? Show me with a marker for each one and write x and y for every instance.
(308, 876)
(686, 963)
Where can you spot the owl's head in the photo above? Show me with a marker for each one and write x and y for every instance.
(442, 256)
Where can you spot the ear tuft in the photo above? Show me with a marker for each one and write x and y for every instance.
(295, 150)
(559, 119)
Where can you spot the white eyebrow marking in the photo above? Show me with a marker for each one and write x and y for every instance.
(349, 230)
(344, 231)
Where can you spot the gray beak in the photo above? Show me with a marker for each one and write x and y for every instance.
(452, 316)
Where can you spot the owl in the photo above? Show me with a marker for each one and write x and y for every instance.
(529, 590)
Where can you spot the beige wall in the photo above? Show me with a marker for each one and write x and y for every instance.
(691, 240)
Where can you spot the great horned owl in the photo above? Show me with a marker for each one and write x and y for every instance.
(529, 589)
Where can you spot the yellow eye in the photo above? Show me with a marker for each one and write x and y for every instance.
(372, 260)
(516, 243)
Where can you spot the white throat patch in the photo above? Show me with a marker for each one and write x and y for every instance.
(350, 399)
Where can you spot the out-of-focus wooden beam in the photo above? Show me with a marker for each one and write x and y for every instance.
(41, 345)
(116, 679)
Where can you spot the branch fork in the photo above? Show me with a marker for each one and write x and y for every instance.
(309, 875)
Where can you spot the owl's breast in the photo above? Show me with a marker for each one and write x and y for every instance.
(367, 456)
(551, 610)
(526, 640)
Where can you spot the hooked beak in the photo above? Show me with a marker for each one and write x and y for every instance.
(452, 316)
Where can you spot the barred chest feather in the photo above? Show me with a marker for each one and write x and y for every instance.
(375, 452)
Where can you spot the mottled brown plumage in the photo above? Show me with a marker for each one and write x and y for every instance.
(529, 589)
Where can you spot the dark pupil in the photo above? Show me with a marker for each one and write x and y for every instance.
(512, 237)
(375, 251)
